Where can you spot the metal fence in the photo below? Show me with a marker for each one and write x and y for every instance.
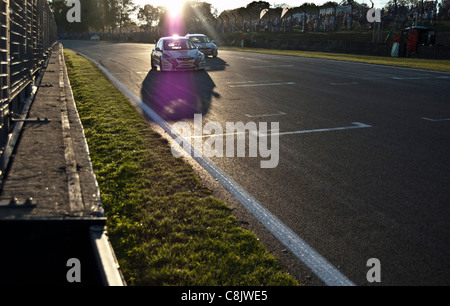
(27, 34)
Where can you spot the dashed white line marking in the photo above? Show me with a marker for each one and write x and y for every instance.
(265, 115)
(262, 84)
(356, 125)
(251, 59)
(344, 84)
(407, 77)
(420, 77)
(273, 66)
(436, 120)
(253, 82)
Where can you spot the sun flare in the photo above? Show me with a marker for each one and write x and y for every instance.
(174, 7)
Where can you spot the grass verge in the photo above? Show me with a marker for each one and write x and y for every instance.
(426, 64)
(165, 227)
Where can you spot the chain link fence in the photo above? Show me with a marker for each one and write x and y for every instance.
(27, 34)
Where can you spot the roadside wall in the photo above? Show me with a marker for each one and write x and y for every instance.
(440, 51)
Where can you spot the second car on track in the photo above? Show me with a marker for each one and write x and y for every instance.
(204, 44)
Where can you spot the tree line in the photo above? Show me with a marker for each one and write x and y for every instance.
(115, 15)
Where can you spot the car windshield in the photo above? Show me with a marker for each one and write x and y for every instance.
(199, 39)
(178, 44)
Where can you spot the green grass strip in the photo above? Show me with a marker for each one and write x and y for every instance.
(165, 227)
(426, 64)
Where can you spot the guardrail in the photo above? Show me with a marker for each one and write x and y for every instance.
(28, 48)
(27, 33)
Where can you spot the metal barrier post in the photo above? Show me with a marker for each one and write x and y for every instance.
(4, 76)
(27, 34)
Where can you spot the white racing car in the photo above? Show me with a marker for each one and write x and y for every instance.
(175, 54)
(204, 44)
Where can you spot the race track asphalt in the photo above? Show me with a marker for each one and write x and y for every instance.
(364, 150)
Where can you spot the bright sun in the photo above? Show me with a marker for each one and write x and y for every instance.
(174, 7)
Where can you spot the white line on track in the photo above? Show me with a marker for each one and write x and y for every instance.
(262, 84)
(363, 64)
(251, 59)
(318, 264)
(265, 115)
(253, 82)
(273, 66)
(215, 135)
(356, 125)
(343, 84)
(435, 120)
(419, 77)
